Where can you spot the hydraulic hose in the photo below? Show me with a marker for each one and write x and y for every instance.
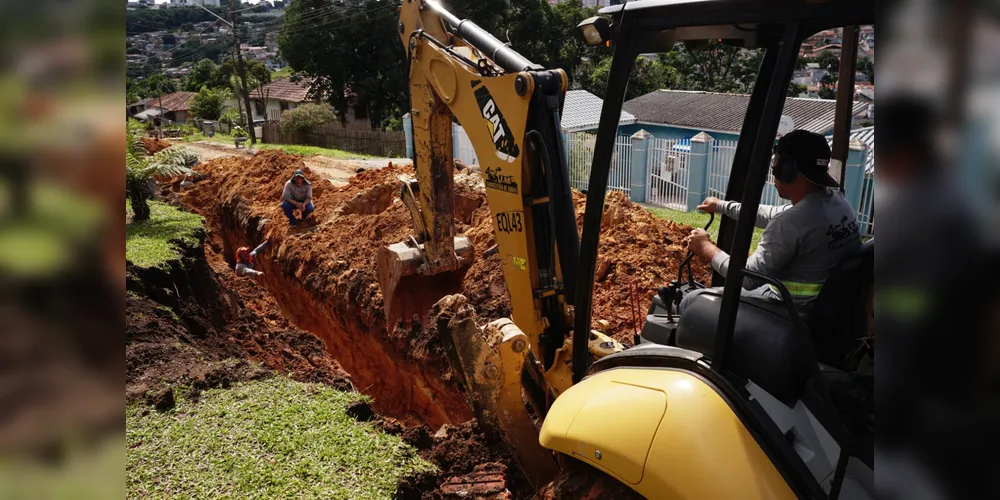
(498, 52)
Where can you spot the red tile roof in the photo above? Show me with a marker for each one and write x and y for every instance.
(284, 89)
(178, 101)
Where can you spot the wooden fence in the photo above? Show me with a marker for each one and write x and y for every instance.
(369, 142)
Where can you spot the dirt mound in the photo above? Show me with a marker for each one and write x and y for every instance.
(472, 465)
(154, 145)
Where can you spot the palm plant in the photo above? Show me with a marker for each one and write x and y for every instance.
(142, 171)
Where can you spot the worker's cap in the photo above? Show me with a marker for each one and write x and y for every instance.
(299, 173)
(811, 153)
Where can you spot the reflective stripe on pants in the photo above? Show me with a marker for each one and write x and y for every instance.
(799, 289)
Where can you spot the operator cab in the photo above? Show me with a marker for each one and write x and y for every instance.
(799, 383)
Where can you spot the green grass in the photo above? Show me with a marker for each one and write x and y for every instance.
(274, 438)
(288, 148)
(281, 73)
(313, 150)
(699, 219)
(217, 138)
(150, 243)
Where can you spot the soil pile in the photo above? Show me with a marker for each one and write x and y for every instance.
(154, 145)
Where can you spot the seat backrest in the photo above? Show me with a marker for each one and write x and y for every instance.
(839, 319)
(766, 347)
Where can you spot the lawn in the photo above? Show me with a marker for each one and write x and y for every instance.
(313, 150)
(151, 243)
(274, 438)
(281, 73)
(699, 219)
(288, 148)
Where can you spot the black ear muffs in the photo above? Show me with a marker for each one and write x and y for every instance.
(784, 168)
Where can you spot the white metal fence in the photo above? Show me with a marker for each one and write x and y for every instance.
(668, 164)
(720, 163)
(580, 157)
(462, 146)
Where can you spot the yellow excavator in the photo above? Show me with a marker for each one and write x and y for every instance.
(731, 399)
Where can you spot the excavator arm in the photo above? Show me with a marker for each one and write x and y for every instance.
(510, 108)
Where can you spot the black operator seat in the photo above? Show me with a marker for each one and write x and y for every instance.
(766, 348)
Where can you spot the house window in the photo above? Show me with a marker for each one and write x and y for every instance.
(259, 107)
(361, 112)
(283, 105)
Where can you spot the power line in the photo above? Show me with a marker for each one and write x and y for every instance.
(332, 25)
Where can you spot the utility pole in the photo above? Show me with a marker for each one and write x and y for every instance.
(241, 70)
(238, 58)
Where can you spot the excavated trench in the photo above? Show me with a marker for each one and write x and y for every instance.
(323, 274)
(406, 380)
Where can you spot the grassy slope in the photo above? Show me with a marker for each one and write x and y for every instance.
(699, 219)
(274, 438)
(288, 148)
(313, 150)
(148, 243)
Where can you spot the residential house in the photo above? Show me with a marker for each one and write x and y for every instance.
(582, 112)
(174, 108)
(682, 114)
(270, 100)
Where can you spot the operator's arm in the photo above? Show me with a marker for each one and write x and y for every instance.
(765, 213)
(309, 195)
(776, 249)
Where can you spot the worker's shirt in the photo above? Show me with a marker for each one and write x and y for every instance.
(801, 243)
(297, 193)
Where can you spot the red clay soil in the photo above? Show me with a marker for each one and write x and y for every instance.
(324, 279)
(321, 276)
(154, 145)
(190, 325)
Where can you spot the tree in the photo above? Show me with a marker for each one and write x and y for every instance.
(646, 76)
(158, 85)
(828, 84)
(142, 170)
(357, 61)
(208, 103)
(867, 67)
(714, 66)
(306, 116)
(202, 74)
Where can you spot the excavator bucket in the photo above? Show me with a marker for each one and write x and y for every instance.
(410, 286)
(490, 361)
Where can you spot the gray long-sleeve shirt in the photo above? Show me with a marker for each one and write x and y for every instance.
(297, 193)
(801, 243)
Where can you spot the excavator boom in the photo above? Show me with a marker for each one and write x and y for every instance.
(510, 108)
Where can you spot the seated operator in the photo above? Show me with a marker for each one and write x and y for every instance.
(803, 241)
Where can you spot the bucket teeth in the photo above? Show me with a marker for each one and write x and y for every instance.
(411, 285)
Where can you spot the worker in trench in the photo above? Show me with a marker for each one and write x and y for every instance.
(802, 241)
(297, 195)
(245, 261)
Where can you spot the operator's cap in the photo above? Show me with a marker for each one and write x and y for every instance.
(811, 153)
(298, 173)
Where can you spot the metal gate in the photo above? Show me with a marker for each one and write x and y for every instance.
(580, 157)
(669, 160)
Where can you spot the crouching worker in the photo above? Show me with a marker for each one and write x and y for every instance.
(297, 195)
(245, 258)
